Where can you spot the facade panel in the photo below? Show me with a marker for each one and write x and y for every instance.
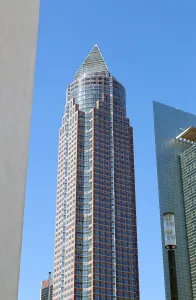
(18, 31)
(188, 167)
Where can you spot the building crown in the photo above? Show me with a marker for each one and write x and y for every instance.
(93, 63)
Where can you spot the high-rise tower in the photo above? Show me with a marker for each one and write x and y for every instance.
(175, 134)
(96, 253)
(46, 286)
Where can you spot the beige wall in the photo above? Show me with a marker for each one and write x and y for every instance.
(18, 35)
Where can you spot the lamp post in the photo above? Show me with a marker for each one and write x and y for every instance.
(49, 273)
(170, 245)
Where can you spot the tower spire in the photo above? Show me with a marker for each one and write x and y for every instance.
(93, 63)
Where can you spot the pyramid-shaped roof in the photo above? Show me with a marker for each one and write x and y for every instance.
(93, 63)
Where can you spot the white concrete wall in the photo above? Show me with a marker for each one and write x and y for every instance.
(18, 36)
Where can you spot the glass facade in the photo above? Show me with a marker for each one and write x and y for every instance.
(96, 237)
(188, 167)
(175, 158)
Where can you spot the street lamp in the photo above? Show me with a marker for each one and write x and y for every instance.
(170, 245)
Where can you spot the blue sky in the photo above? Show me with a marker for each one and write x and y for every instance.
(149, 46)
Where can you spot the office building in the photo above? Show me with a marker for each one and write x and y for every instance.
(175, 134)
(45, 289)
(18, 31)
(96, 253)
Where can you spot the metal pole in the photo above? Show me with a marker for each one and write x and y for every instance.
(49, 273)
(172, 273)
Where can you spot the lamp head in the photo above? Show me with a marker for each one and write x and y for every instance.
(169, 230)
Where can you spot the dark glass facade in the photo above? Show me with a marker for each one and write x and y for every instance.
(96, 238)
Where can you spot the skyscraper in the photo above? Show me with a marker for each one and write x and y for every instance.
(18, 31)
(45, 289)
(175, 134)
(96, 253)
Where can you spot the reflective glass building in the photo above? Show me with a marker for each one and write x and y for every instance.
(96, 253)
(175, 134)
